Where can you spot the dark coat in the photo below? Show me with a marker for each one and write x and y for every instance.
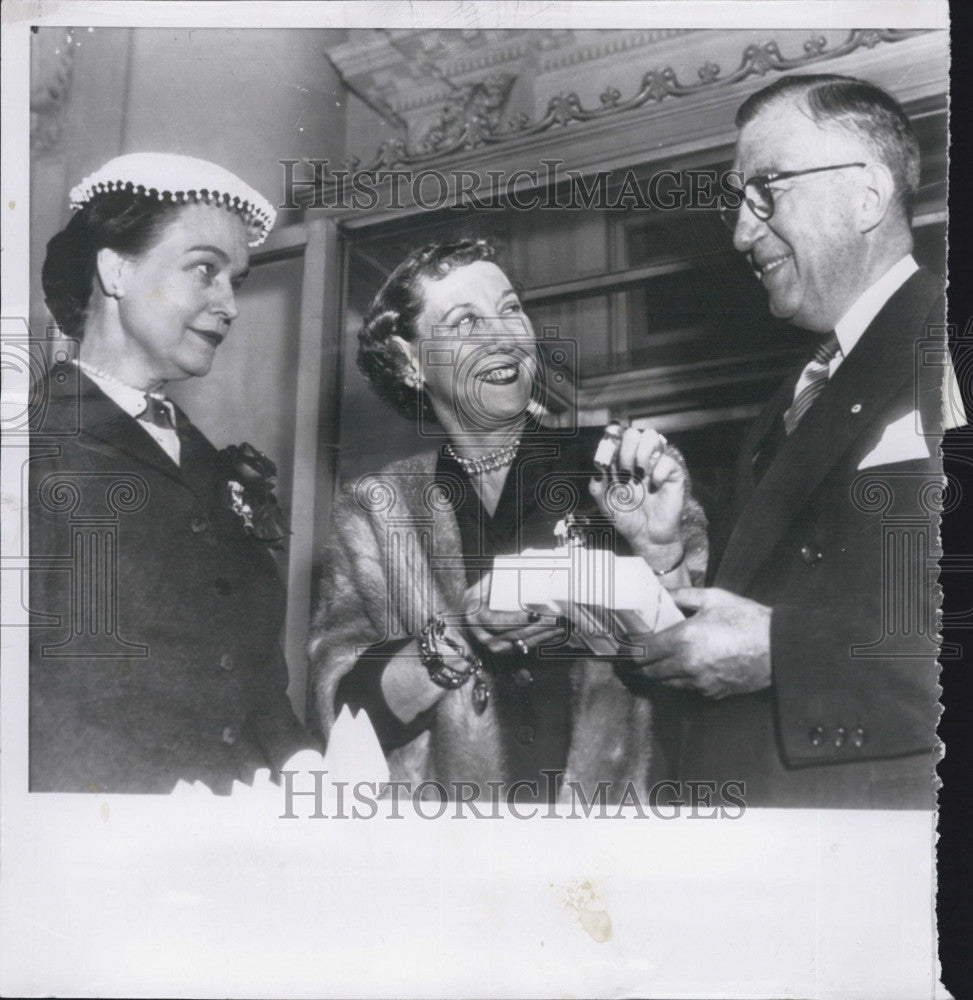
(154, 646)
(845, 556)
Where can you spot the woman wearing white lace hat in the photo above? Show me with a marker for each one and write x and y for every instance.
(154, 655)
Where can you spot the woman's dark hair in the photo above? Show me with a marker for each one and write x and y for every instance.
(119, 220)
(394, 312)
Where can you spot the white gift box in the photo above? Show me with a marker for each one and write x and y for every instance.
(606, 598)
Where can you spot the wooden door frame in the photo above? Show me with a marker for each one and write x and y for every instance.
(317, 407)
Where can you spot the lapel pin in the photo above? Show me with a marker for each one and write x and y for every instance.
(857, 408)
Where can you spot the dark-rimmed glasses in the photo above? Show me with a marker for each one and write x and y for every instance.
(759, 195)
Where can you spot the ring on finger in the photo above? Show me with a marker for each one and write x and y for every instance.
(521, 647)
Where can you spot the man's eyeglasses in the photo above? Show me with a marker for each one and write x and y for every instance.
(759, 195)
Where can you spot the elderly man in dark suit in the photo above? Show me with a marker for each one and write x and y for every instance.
(813, 658)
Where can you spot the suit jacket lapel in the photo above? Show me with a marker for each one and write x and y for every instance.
(882, 362)
(198, 460)
(112, 428)
(99, 417)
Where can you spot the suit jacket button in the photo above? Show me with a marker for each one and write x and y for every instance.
(816, 736)
(858, 737)
(810, 554)
(227, 662)
(525, 734)
(839, 736)
(198, 523)
(228, 735)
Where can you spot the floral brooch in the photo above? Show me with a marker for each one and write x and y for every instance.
(251, 481)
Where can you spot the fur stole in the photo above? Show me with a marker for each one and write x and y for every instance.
(395, 560)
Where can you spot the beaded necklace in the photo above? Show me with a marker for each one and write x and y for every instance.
(496, 459)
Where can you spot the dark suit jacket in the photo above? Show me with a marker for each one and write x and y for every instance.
(845, 556)
(155, 617)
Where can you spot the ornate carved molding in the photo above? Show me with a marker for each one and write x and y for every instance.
(473, 118)
(476, 109)
(612, 46)
(414, 70)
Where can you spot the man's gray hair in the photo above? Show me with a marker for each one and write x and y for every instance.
(862, 108)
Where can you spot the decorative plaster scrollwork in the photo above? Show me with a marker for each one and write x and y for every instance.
(473, 118)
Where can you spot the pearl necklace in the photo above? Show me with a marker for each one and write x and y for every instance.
(98, 373)
(497, 459)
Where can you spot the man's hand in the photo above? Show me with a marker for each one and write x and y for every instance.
(723, 649)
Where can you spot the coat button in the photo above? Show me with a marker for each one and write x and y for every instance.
(816, 736)
(523, 677)
(858, 737)
(228, 735)
(839, 736)
(227, 662)
(223, 586)
(525, 734)
(198, 523)
(810, 554)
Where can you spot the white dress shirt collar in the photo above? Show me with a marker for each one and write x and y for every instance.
(866, 307)
(132, 401)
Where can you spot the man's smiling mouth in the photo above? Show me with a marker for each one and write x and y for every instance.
(769, 266)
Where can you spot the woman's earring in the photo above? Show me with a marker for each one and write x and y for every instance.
(415, 379)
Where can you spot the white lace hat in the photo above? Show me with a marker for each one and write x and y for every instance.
(173, 177)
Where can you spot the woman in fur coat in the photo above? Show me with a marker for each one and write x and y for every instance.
(459, 694)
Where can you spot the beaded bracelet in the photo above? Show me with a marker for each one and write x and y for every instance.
(441, 673)
(674, 566)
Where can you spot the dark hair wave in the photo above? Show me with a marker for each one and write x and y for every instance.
(125, 221)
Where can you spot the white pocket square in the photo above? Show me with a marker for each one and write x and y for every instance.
(901, 441)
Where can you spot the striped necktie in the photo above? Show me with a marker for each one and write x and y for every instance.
(812, 382)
